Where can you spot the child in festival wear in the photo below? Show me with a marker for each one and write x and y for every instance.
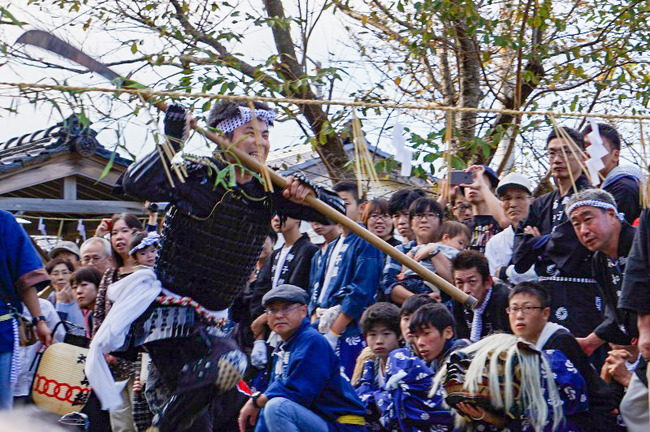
(380, 325)
(144, 248)
(454, 237)
(402, 402)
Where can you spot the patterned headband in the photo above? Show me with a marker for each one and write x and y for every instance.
(595, 203)
(151, 239)
(229, 125)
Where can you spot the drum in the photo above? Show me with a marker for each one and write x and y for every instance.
(60, 384)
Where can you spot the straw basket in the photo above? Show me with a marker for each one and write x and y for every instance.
(60, 384)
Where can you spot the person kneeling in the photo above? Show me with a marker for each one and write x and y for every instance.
(307, 391)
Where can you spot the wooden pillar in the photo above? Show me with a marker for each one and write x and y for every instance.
(70, 188)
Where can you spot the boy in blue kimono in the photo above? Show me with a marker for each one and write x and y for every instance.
(307, 391)
(347, 279)
(380, 324)
(402, 402)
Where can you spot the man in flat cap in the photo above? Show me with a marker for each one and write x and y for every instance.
(307, 390)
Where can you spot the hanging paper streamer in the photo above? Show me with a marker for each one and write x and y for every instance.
(41, 226)
(82, 229)
(403, 154)
(596, 152)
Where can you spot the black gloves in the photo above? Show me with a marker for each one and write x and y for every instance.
(176, 125)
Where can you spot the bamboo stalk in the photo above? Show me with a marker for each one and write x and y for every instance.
(448, 137)
(341, 219)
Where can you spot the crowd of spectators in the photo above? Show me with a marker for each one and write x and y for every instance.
(341, 336)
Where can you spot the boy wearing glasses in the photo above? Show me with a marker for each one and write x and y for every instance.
(307, 391)
(528, 312)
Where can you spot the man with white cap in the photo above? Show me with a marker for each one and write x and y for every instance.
(307, 391)
(514, 191)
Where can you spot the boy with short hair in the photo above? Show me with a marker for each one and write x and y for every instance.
(401, 402)
(345, 284)
(432, 327)
(406, 312)
(380, 325)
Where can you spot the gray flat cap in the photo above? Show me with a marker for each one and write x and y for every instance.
(286, 292)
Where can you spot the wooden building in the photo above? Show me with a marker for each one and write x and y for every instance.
(56, 174)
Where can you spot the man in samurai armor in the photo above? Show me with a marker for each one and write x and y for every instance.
(212, 236)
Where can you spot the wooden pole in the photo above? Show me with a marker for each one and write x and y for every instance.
(339, 218)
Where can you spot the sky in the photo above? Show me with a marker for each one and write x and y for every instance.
(138, 131)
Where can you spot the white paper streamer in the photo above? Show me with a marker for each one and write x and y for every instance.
(82, 229)
(41, 226)
(403, 154)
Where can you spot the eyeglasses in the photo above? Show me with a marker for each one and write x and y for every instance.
(425, 216)
(92, 260)
(462, 207)
(527, 310)
(283, 310)
(382, 216)
(58, 273)
(552, 154)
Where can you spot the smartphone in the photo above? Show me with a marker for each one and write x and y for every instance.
(461, 177)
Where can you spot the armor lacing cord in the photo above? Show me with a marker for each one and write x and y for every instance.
(188, 301)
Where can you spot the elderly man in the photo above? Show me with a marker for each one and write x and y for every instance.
(603, 230)
(96, 252)
(471, 274)
(514, 191)
(307, 391)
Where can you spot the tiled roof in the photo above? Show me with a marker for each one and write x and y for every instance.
(65, 137)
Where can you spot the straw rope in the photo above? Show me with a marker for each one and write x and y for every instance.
(423, 105)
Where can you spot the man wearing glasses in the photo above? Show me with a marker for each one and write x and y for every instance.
(307, 391)
(96, 252)
(546, 239)
(528, 312)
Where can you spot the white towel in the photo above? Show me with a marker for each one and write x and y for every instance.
(131, 296)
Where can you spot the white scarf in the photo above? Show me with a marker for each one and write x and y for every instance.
(477, 322)
(131, 296)
(549, 330)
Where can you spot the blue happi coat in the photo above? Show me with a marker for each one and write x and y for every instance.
(405, 406)
(354, 282)
(306, 371)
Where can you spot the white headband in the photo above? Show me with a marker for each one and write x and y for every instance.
(229, 125)
(595, 203)
(151, 239)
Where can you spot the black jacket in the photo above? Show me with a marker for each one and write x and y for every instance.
(495, 318)
(635, 296)
(626, 193)
(619, 326)
(295, 272)
(558, 251)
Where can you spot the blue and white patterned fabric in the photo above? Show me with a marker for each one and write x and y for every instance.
(403, 403)
(230, 124)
